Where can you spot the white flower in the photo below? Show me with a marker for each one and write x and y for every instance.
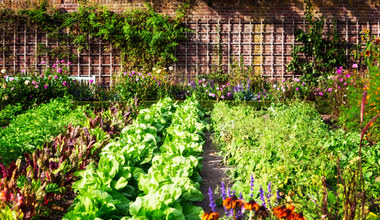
(171, 68)
(274, 85)
(3, 71)
(27, 82)
(159, 71)
(154, 68)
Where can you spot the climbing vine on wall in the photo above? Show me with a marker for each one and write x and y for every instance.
(320, 51)
(143, 38)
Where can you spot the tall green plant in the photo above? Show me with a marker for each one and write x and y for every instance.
(319, 52)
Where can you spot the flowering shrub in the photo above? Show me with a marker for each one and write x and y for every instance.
(365, 80)
(40, 86)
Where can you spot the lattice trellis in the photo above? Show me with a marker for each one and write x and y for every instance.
(262, 45)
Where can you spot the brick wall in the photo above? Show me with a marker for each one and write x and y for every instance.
(259, 33)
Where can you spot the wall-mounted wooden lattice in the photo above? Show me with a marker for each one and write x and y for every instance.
(264, 46)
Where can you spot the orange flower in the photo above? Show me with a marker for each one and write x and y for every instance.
(366, 31)
(210, 216)
(296, 216)
(252, 205)
(232, 202)
(367, 53)
(376, 54)
(283, 211)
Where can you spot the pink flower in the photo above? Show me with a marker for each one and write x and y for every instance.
(354, 65)
(69, 63)
(321, 93)
(341, 79)
(59, 70)
(229, 94)
(33, 82)
(133, 72)
(57, 62)
(43, 62)
(222, 96)
(91, 80)
(46, 86)
(207, 90)
(329, 89)
(149, 74)
(137, 79)
(62, 61)
(55, 77)
(348, 76)
(204, 85)
(64, 83)
(54, 65)
(283, 80)
(296, 80)
(65, 71)
(345, 84)
(297, 89)
(36, 86)
(11, 79)
(125, 73)
(189, 84)
(228, 84)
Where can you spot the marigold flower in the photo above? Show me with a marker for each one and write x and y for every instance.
(252, 205)
(367, 53)
(210, 216)
(296, 216)
(233, 202)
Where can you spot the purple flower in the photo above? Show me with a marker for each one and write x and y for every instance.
(224, 195)
(252, 185)
(189, 84)
(240, 195)
(262, 197)
(354, 65)
(91, 80)
(338, 71)
(228, 84)
(46, 86)
(269, 195)
(229, 94)
(297, 88)
(348, 75)
(43, 62)
(133, 72)
(64, 83)
(283, 80)
(125, 73)
(212, 202)
(55, 77)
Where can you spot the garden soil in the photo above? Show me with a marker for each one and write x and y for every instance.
(213, 173)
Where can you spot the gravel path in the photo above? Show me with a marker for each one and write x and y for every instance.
(213, 173)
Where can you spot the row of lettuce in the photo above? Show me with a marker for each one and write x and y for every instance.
(291, 151)
(151, 172)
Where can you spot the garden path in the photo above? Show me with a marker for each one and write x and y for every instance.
(213, 173)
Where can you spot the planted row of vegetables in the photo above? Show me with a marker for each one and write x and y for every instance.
(172, 183)
(37, 184)
(33, 128)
